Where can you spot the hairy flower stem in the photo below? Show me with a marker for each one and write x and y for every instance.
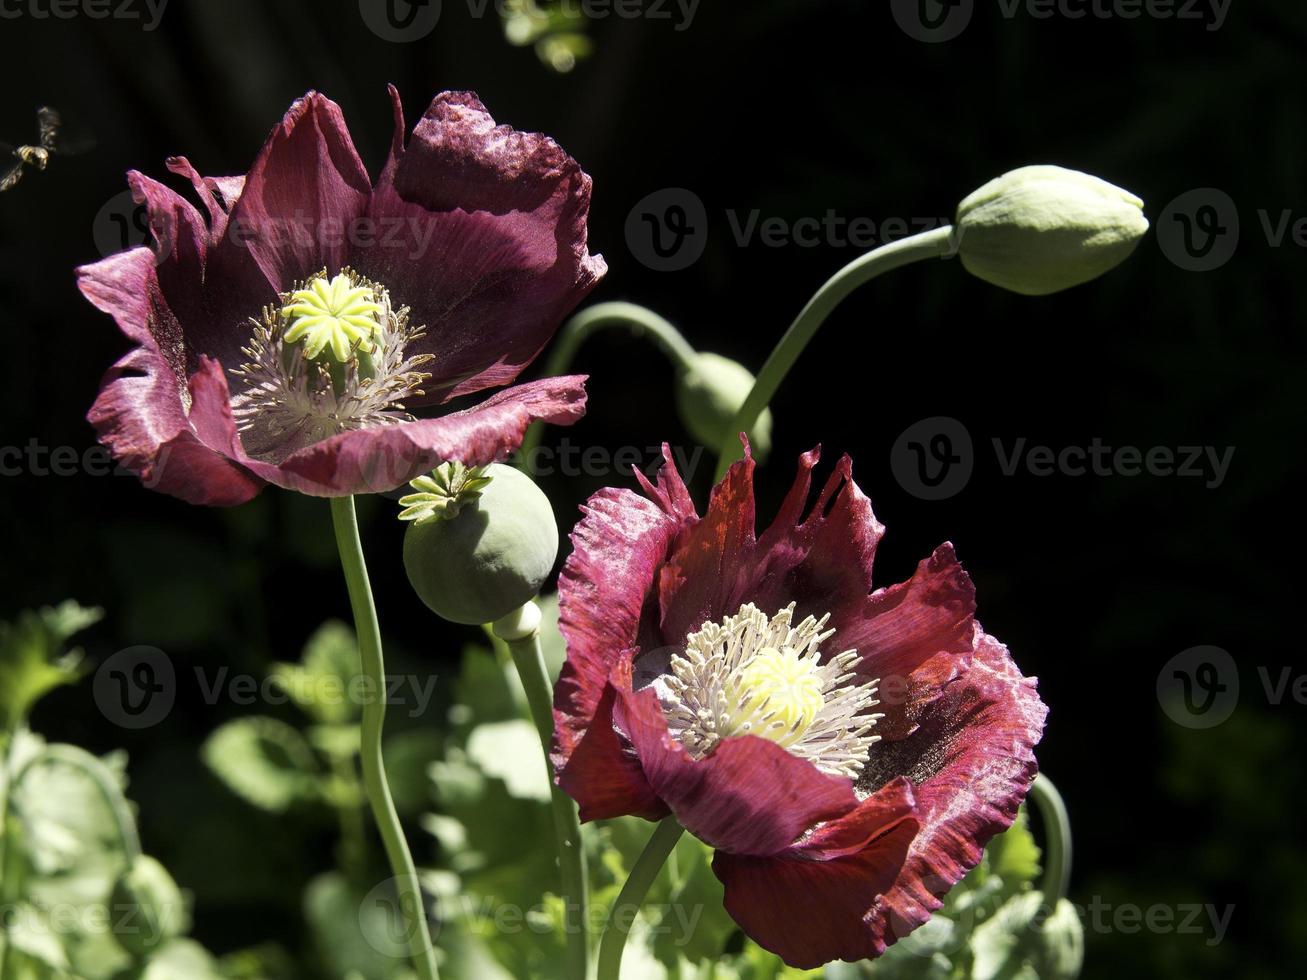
(933, 244)
(591, 320)
(1057, 830)
(631, 898)
(520, 631)
(411, 908)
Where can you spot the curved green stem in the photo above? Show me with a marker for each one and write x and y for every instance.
(1057, 830)
(411, 907)
(524, 644)
(94, 769)
(629, 900)
(591, 320)
(928, 245)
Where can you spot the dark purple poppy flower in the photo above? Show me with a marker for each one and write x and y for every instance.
(848, 752)
(283, 339)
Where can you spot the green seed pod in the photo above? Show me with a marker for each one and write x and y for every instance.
(147, 908)
(1039, 230)
(708, 394)
(482, 542)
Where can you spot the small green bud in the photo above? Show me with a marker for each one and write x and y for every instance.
(1038, 230)
(147, 908)
(708, 394)
(1062, 944)
(1024, 937)
(481, 544)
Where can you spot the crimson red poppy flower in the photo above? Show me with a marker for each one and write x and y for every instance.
(848, 752)
(284, 338)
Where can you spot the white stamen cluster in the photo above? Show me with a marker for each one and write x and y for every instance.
(752, 674)
(290, 401)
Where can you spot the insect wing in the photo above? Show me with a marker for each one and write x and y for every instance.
(48, 122)
(58, 137)
(11, 170)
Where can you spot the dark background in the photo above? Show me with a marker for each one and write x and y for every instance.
(791, 107)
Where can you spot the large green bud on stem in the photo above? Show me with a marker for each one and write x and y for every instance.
(709, 391)
(482, 542)
(1038, 230)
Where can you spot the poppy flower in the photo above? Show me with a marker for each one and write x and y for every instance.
(848, 752)
(284, 338)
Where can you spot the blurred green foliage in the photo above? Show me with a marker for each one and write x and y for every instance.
(79, 901)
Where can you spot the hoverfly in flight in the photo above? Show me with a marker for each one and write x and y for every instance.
(15, 159)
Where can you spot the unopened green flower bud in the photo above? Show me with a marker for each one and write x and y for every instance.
(1062, 944)
(1025, 937)
(708, 394)
(482, 541)
(1038, 230)
(147, 908)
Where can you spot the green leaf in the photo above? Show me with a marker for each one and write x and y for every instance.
(181, 959)
(1000, 944)
(328, 683)
(266, 962)
(29, 931)
(68, 827)
(925, 954)
(266, 762)
(511, 751)
(465, 955)
(485, 690)
(32, 661)
(1023, 941)
(1014, 856)
(66, 854)
(755, 963)
(96, 955)
(354, 930)
(692, 924)
(551, 638)
(409, 756)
